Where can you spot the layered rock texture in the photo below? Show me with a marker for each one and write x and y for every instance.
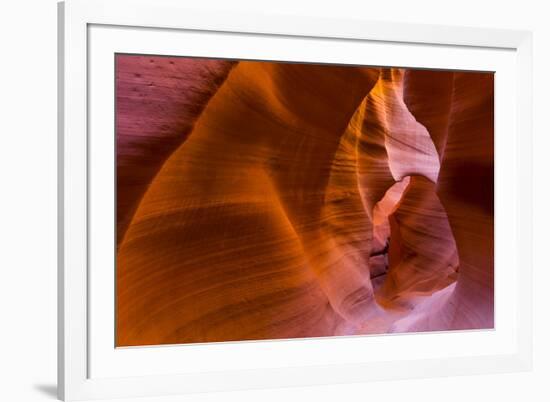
(262, 200)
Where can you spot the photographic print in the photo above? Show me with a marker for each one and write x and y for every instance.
(263, 200)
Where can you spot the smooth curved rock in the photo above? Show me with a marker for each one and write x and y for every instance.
(262, 200)
(158, 100)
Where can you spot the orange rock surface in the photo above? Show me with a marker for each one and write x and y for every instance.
(262, 200)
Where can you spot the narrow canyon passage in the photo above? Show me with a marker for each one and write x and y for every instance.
(263, 200)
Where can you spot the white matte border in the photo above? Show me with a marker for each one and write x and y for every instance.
(73, 307)
(105, 361)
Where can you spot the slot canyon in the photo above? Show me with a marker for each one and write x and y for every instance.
(270, 200)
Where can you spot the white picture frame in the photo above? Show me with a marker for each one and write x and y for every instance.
(283, 363)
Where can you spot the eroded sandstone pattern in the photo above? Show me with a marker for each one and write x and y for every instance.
(261, 200)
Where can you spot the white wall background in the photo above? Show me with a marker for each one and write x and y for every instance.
(28, 200)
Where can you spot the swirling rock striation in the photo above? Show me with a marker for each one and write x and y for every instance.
(263, 200)
(158, 100)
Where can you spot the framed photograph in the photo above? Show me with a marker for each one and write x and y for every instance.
(253, 201)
